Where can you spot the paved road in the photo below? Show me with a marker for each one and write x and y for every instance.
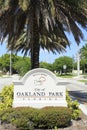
(78, 91)
(7, 81)
(75, 88)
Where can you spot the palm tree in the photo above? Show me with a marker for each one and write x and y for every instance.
(42, 23)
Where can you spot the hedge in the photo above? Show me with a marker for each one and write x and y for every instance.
(31, 119)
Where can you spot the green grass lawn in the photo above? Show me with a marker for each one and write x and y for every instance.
(84, 81)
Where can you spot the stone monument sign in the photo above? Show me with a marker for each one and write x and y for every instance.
(39, 88)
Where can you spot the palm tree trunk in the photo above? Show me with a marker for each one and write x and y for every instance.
(35, 46)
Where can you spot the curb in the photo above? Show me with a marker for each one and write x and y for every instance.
(83, 108)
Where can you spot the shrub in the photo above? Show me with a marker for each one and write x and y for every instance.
(5, 115)
(23, 123)
(75, 110)
(54, 116)
(31, 119)
(74, 106)
(6, 97)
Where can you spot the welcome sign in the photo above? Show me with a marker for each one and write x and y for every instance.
(39, 88)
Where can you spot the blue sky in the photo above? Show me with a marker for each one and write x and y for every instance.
(50, 57)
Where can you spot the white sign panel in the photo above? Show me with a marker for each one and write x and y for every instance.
(39, 88)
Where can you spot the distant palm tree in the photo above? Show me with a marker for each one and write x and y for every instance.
(29, 24)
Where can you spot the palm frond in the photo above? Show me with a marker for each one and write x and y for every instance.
(52, 18)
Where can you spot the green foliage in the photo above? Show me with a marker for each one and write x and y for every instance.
(83, 51)
(19, 64)
(4, 115)
(68, 98)
(54, 116)
(46, 66)
(7, 3)
(83, 62)
(58, 64)
(4, 4)
(22, 65)
(74, 3)
(24, 4)
(6, 97)
(84, 81)
(23, 123)
(75, 110)
(5, 62)
(31, 119)
(74, 106)
(55, 128)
